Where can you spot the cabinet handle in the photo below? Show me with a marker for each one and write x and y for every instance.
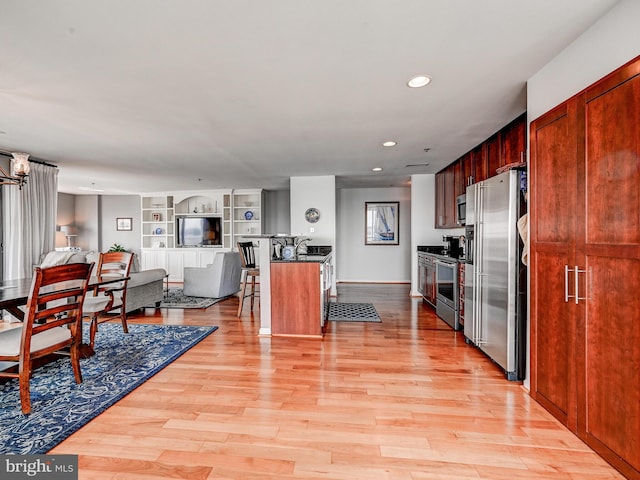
(576, 284)
(577, 271)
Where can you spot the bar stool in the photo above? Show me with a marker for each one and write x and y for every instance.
(249, 270)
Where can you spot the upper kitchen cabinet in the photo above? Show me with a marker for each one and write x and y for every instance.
(493, 158)
(502, 148)
(468, 170)
(513, 140)
(445, 190)
(440, 199)
(479, 160)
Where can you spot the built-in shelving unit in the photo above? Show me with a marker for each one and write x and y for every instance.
(157, 222)
(241, 212)
(247, 213)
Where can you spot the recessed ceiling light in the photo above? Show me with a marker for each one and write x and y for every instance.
(419, 81)
(390, 143)
(376, 169)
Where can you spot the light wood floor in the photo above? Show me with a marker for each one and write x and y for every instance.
(402, 399)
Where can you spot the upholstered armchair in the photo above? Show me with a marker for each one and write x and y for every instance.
(218, 279)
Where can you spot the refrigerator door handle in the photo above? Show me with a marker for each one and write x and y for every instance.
(479, 340)
(479, 259)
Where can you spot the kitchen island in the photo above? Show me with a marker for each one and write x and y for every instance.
(299, 295)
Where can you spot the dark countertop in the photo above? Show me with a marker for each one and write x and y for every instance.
(304, 259)
(443, 257)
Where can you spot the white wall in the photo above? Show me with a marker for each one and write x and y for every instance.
(277, 211)
(112, 207)
(423, 220)
(87, 215)
(65, 216)
(95, 216)
(611, 42)
(317, 192)
(357, 262)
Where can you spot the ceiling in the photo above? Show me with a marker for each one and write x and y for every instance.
(155, 95)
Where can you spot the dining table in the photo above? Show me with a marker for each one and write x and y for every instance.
(15, 293)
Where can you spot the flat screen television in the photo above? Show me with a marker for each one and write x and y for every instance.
(198, 231)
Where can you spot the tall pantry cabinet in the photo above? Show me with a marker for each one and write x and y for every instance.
(585, 265)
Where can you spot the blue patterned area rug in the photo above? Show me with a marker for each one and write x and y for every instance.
(353, 312)
(59, 406)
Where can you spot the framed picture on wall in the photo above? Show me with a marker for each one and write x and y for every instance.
(124, 223)
(381, 223)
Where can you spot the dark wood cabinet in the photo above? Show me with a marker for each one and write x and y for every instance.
(450, 193)
(445, 192)
(553, 169)
(440, 200)
(513, 142)
(479, 160)
(427, 277)
(493, 155)
(476, 165)
(468, 169)
(585, 255)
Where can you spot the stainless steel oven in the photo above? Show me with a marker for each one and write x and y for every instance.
(447, 292)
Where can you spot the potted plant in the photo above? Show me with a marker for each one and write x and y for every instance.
(117, 248)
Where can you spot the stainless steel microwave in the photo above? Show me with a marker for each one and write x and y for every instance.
(461, 209)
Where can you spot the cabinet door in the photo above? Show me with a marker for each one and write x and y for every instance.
(450, 197)
(479, 160)
(175, 266)
(468, 169)
(610, 242)
(514, 141)
(554, 172)
(153, 259)
(492, 152)
(422, 275)
(440, 200)
(430, 287)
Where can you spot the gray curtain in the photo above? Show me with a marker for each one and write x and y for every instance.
(29, 220)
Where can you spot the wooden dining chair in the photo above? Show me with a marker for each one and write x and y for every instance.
(109, 301)
(52, 322)
(249, 271)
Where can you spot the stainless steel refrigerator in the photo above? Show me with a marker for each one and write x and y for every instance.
(495, 278)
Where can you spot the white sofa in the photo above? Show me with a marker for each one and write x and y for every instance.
(218, 279)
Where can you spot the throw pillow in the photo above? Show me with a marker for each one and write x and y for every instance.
(56, 258)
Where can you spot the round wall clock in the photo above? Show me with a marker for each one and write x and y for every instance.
(312, 215)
